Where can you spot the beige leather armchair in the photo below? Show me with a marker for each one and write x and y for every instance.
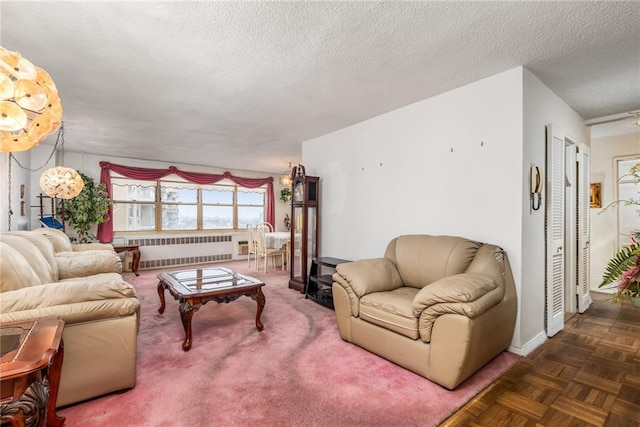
(440, 306)
(100, 310)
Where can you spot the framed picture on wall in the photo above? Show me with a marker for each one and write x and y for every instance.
(596, 201)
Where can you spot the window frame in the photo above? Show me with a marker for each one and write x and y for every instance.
(159, 184)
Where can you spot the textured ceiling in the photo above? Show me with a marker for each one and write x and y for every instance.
(241, 84)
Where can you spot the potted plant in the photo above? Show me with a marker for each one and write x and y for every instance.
(86, 209)
(285, 194)
(622, 273)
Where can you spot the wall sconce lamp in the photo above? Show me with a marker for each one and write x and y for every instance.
(286, 179)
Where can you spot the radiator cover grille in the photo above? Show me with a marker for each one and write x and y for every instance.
(157, 263)
(163, 241)
(169, 241)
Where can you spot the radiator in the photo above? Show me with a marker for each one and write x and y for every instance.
(158, 252)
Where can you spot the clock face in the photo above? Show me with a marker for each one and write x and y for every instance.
(298, 192)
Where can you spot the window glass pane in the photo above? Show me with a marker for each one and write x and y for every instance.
(178, 192)
(179, 217)
(133, 190)
(181, 202)
(250, 197)
(217, 217)
(134, 216)
(250, 215)
(218, 195)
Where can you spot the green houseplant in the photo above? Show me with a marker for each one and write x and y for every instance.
(622, 272)
(87, 209)
(285, 194)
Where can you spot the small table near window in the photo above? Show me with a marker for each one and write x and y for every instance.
(30, 363)
(135, 251)
(277, 239)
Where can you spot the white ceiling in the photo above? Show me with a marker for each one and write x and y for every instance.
(626, 126)
(240, 85)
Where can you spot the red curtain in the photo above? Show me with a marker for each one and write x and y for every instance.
(105, 230)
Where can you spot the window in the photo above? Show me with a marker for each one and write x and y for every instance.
(135, 207)
(176, 205)
(250, 207)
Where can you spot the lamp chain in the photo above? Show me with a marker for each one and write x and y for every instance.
(12, 157)
(10, 211)
(59, 138)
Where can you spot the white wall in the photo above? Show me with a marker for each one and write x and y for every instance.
(451, 165)
(603, 225)
(397, 174)
(89, 165)
(19, 176)
(541, 107)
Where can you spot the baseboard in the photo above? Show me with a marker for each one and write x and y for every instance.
(531, 345)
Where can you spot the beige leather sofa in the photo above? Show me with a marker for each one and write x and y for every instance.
(86, 290)
(440, 306)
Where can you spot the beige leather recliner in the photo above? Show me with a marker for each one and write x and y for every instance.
(440, 306)
(86, 290)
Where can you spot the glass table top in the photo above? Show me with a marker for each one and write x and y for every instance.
(210, 279)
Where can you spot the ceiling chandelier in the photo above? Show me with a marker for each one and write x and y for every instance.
(60, 182)
(30, 108)
(286, 178)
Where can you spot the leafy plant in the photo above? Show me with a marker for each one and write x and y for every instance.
(623, 271)
(87, 209)
(285, 194)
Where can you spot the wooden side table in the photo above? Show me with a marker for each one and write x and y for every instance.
(135, 251)
(31, 354)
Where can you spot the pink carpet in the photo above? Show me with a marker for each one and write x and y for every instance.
(296, 372)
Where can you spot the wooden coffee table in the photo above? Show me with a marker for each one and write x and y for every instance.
(196, 287)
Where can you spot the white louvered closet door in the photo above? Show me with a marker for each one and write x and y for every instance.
(554, 229)
(584, 192)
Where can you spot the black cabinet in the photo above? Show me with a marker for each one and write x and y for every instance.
(320, 281)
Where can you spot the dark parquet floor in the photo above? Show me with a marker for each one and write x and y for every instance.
(586, 375)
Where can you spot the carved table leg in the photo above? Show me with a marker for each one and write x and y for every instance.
(161, 295)
(260, 299)
(29, 409)
(53, 420)
(136, 261)
(186, 313)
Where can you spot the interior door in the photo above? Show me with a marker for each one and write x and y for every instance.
(554, 230)
(584, 190)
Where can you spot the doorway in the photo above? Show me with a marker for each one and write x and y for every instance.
(566, 229)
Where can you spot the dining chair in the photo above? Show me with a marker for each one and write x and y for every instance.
(267, 225)
(264, 252)
(251, 243)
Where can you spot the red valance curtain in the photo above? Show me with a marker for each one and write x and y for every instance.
(105, 230)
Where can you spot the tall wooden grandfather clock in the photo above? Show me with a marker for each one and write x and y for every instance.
(305, 195)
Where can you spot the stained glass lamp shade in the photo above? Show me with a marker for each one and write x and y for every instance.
(30, 108)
